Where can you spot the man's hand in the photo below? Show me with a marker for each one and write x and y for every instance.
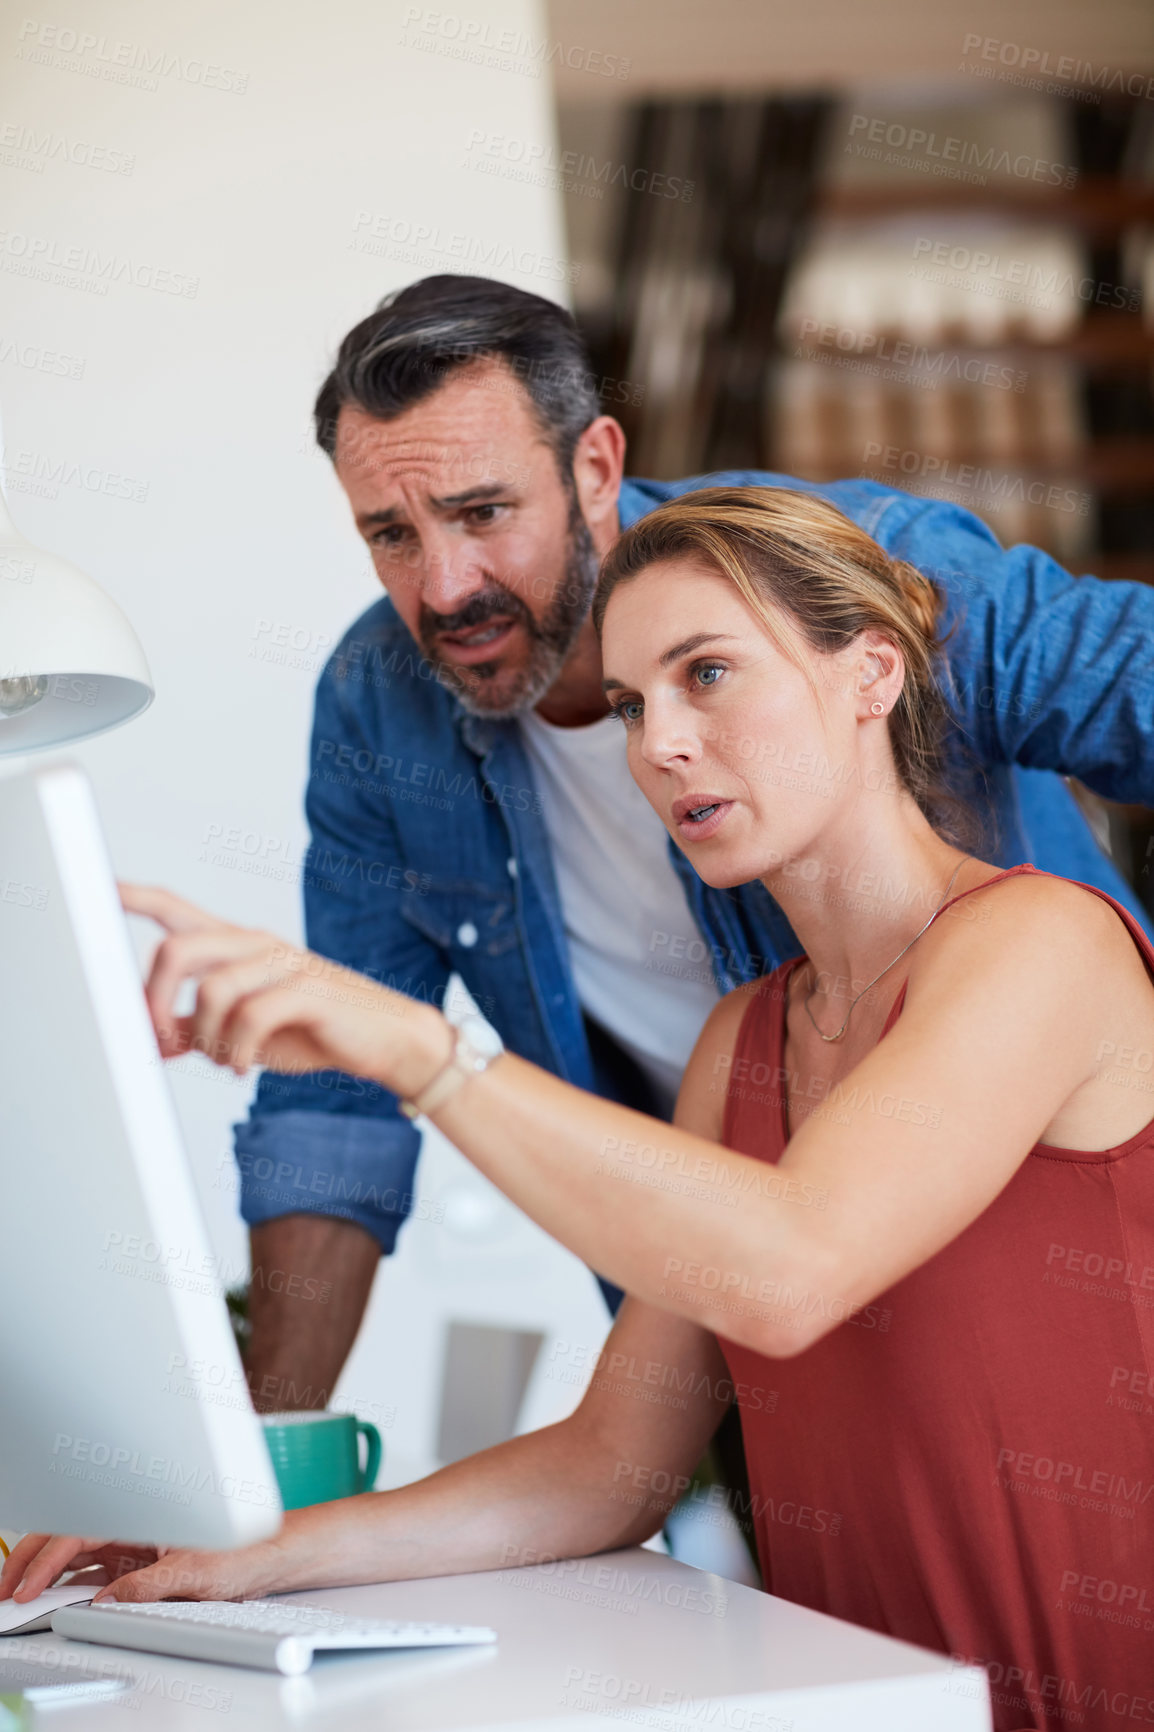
(263, 1001)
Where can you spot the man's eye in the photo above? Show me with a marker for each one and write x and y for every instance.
(485, 513)
(390, 536)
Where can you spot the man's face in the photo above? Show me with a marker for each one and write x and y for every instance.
(479, 543)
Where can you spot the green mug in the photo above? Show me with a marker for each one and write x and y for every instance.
(316, 1456)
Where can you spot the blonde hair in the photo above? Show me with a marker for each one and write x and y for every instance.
(801, 565)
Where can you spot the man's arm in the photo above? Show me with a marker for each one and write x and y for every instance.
(326, 1161)
(1046, 670)
(303, 1327)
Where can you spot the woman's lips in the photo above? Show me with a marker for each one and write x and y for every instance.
(479, 644)
(701, 829)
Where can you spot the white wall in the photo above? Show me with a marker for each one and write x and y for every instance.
(190, 196)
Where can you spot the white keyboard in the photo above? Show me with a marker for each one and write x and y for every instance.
(275, 1635)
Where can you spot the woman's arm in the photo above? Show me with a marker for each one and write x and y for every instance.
(1001, 1024)
(603, 1478)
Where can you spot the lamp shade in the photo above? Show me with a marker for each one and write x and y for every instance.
(70, 663)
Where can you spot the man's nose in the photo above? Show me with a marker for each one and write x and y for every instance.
(450, 571)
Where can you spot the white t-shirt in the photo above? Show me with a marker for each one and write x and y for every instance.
(637, 955)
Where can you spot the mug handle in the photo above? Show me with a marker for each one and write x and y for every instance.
(366, 1476)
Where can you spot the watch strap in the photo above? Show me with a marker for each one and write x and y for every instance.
(465, 1061)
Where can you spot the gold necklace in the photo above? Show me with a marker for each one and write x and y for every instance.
(888, 966)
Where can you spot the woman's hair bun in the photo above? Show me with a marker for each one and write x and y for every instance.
(920, 597)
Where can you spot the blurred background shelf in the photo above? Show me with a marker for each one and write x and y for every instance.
(1097, 204)
(1102, 342)
(945, 285)
(1109, 466)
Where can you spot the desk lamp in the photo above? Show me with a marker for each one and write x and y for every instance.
(70, 663)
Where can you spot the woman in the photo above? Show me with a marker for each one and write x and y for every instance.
(890, 1161)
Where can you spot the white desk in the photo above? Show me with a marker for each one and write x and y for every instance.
(629, 1638)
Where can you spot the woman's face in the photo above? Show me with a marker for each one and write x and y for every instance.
(725, 734)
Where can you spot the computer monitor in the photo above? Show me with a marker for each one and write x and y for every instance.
(125, 1410)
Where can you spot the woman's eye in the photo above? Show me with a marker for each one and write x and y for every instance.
(628, 712)
(708, 673)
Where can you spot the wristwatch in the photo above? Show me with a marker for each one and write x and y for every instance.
(477, 1044)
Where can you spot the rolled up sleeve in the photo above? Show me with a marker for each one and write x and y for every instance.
(349, 1165)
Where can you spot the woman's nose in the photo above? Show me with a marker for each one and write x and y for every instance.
(668, 739)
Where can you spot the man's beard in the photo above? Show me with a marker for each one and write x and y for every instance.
(488, 688)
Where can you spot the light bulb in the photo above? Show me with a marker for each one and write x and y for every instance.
(19, 694)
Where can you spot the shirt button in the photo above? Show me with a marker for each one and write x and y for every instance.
(512, 865)
(467, 934)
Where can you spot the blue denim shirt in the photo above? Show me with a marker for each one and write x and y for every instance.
(428, 850)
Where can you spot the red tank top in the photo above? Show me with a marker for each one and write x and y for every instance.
(968, 1463)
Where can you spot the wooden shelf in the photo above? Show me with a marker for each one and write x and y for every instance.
(1097, 204)
(1102, 343)
(1115, 468)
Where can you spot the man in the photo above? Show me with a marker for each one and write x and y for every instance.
(468, 798)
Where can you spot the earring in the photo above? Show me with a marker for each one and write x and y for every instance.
(878, 708)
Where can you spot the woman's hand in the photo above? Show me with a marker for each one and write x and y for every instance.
(139, 1572)
(39, 1560)
(262, 1001)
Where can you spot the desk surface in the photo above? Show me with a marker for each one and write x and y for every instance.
(630, 1637)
